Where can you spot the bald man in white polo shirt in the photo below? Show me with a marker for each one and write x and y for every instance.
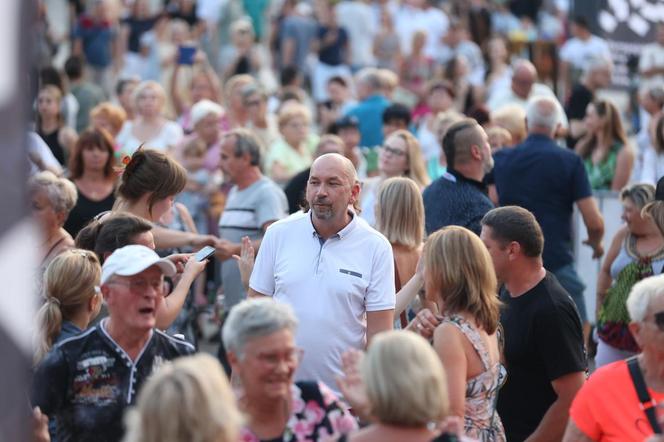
(333, 269)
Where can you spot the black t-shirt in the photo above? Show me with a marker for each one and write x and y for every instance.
(86, 209)
(332, 54)
(87, 381)
(575, 108)
(543, 341)
(295, 190)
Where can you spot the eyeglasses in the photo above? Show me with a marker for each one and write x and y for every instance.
(290, 357)
(252, 103)
(393, 151)
(142, 285)
(659, 320)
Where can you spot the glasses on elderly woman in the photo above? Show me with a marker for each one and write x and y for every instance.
(290, 357)
(394, 151)
(659, 320)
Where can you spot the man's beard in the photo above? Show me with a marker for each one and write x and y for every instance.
(324, 212)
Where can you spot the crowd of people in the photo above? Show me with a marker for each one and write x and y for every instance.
(384, 192)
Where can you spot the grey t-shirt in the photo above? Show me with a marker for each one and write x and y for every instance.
(245, 214)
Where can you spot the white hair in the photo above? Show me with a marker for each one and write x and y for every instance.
(642, 295)
(542, 112)
(598, 63)
(61, 192)
(254, 318)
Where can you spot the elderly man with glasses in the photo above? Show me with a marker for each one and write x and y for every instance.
(87, 381)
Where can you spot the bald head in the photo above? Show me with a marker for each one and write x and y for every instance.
(334, 163)
(523, 78)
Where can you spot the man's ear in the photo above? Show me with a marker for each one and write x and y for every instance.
(105, 292)
(514, 248)
(476, 152)
(635, 330)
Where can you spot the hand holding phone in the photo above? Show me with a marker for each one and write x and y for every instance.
(186, 55)
(204, 253)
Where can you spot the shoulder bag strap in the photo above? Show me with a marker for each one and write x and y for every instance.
(647, 404)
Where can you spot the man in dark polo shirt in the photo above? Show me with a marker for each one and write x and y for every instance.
(543, 351)
(548, 180)
(459, 197)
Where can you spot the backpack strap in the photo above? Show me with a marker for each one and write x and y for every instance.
(647, 404)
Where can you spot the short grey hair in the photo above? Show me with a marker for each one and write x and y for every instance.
(642, 295)
(542, 112)
(596, 64)
(247, 142)
(255, 318)
(370, 77)
(61, 192)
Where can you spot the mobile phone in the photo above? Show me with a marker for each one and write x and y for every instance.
(204, 253)
(186, 55)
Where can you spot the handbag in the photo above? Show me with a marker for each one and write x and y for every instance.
(647, 404)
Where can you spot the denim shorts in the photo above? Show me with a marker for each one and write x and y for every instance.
(571, 282)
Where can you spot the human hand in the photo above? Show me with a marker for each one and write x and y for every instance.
(179, 260)
(351, 384)
(246, 260)
(598, 249)
(193, 267)
(199, 241)
(225, 249)
(424, 324)
(40, 426)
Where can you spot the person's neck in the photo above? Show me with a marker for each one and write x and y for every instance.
(328, 228)
(81, 319)
(75, 82)
(589, 84)
(524, 276)
(129, 340)
(265, 410)
(139, 209)
(394, 432)
(470, 170)
(53, 235)
(652, 366)
(151, 120)
(94, 176)
(252, 175)
(297, 145)
(261, 121)
(541, 131)
(49, 123)
(602, 141)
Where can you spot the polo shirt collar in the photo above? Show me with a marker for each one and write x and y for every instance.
(341, 233)
(460, 178)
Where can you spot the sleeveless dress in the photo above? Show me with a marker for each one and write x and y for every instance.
(481, 420)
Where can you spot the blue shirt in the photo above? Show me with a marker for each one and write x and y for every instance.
(454, 200)
(96, 39)
(369, 113)
(546, 179)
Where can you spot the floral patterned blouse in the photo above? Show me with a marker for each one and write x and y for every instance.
(317, 415)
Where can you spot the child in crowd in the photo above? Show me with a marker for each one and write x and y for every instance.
(196, 193)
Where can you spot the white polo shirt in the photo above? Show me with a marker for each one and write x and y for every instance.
(330, 285)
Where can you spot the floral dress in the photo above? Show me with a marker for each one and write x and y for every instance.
(481, 421)
(317, 415)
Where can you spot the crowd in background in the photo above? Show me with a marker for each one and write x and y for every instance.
(382, 169)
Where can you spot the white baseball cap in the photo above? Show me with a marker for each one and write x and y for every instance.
(132, 260)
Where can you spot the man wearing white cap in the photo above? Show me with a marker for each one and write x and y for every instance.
(205, 117)
(87, 381)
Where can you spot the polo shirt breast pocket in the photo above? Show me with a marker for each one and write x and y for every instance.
(353, 284)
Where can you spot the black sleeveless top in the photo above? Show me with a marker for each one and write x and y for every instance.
(86, 209)
(52, 141)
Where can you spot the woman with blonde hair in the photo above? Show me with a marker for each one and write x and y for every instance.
(52, 198)
(512, 118)
(149, 125)
(293, 152)
(109, 117)
(187, 399)
(460, 279)
(72, 298)
(400, 218)
(400, 156)
(400, 386)
(605, 151)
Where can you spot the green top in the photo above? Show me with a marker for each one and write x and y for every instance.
(601, 175)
